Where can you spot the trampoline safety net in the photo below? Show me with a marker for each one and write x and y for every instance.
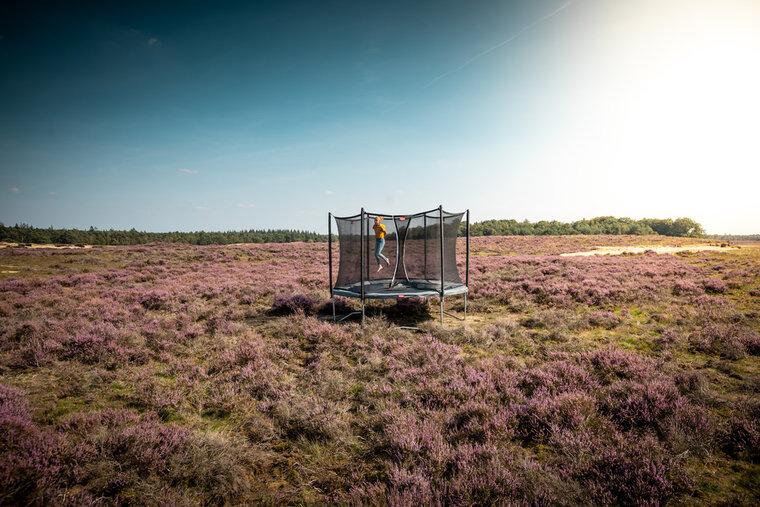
(415, 246)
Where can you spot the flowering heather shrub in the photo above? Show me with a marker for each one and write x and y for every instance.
(575, 383)
(146, 447)
(695, 385)
(321, 333)
(155, 395)
(715, 286)
(544, 415)
(751, 341)
(310, 416)
(546, 319)
(110, 452)
(31, 458)
(741, 435)
(559, 376)
(687, 288)
(87, 347)
(611, 364)
(154, 300)
(606, 320)
(730, 341)
(500, 331)
(670, 337)
(712, 307)
(594, 281)
(632, 404)
(253, 350)
(82, 423)
(341, 306)
(284, 305)
(13, 405)
(601, 457)
(469, 408)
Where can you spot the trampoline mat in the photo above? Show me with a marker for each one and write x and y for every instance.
(385, 289)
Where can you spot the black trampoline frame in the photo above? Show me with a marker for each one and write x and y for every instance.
(429, 291)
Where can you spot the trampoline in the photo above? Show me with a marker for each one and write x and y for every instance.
(420, 247)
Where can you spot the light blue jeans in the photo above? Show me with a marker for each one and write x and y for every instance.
(379, 245)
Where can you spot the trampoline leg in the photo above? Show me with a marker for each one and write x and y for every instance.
(465, 305)
(441, 311)
(362, 312)
(333, 302)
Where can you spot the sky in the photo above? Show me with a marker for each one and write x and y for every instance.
(167, 116)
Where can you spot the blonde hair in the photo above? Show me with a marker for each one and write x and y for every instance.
(380, 217)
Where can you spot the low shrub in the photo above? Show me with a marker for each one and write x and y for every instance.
(154, 300)
(715, 286)
(341, 306)
(285, 305)
(605, 320)
(687, 288)
(741, 433)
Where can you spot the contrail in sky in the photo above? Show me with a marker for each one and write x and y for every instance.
(502, 43)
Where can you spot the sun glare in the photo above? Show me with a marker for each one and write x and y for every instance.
(663, 95)
(698, 101)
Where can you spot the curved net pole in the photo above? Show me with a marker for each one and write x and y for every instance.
(403, 255)
(395, 268)
(443, 285)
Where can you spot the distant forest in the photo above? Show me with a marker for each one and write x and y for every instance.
(22, 233)
(684, 227)
(735, 237)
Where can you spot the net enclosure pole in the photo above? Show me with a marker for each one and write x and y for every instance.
(329, 262)
(424, 243)
(467, 261)
(467, 265)
(443, 285)
(361, 259)
(367, 275)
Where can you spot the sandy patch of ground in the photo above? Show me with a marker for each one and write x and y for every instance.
(619, 250)
(41, 245)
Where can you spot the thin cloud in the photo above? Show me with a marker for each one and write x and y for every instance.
(329, 192)
(502, 43)
(153, 41)
(201, 208)
(15, 190)
(188, 171)
(52, 193)
(239, 205)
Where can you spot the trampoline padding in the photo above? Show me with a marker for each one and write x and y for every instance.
(385, 289)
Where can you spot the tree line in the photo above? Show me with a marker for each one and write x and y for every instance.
(735, 237)
(683, 227)
(23, 233)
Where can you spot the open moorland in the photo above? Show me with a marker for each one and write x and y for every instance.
(185, 375)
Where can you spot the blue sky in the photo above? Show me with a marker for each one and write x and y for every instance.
(181, 116)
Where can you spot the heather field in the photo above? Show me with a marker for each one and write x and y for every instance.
(184, 375)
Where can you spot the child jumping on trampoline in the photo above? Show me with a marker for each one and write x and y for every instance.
(379, 229)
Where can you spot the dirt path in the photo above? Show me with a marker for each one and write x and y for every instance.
(41, 245)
